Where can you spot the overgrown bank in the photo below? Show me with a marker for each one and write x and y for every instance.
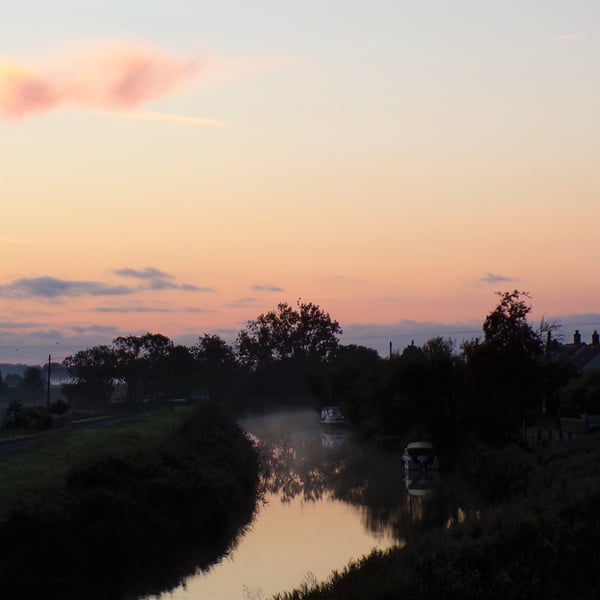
(127, 524)
(540, 542)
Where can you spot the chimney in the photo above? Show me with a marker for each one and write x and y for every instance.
(577, 337)
(595, 338)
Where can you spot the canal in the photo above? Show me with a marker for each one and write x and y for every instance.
(326, 499)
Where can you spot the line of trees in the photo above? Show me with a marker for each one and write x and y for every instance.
(293, 354)
(151, 367)
(488, 387)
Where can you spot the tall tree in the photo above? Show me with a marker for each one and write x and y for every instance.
(354, 376)
(142, 364)
(304, 332)
(129, 365)
(180, 371)
(93, 371)
(216, 364)
(507, 329)
(32, 387)
(505, 371)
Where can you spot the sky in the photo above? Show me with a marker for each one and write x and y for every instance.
(182, 166)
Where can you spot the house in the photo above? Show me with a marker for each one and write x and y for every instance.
(580, 355)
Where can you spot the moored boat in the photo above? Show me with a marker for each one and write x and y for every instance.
(420, 456)
(332, 415)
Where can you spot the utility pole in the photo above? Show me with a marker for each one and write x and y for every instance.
(48, 388)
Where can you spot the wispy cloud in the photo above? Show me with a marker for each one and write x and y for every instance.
(142, 115)
(112, 77)
(495, 278)
(52, 288)
(154, 279)
(148, 273)
(94, 329)
(564, 39)
(17, 324)
(147, 309)
(129, 309)
(242, 303)
(267, 288)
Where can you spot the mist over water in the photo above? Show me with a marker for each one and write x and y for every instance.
(328, 498)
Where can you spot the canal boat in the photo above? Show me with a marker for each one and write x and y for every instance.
(420, 456)
(332, 415)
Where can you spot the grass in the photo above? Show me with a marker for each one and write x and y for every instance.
(134, 509)
(30, 474)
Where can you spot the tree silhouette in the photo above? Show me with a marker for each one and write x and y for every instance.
(506, 328)
(142, 364)
(31, 387)
(216, 364)
(504, 369)
(305, 332)
(93, 370)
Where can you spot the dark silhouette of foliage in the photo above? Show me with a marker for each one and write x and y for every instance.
(141, 364)
(93, 371)
(135, 525)
(216, 364)
(583, 392)
(305, 332)
(16, 413)
(352, 372)
(506, 328)
(179, 370)
(31, 388)
(505, 371)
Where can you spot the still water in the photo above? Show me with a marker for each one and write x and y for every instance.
(327, 500)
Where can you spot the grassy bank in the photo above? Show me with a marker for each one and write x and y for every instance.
(540, 540)
(37, 472)
(127, 511)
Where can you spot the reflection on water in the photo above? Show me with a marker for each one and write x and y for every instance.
(421, 483)
(306, 461)
(328, 499)
(333, 439)
(288, 543)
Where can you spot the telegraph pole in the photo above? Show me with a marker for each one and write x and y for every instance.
(48, 387)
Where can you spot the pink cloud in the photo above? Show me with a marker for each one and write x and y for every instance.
(109, 77)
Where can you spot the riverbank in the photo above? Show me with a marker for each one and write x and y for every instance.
(538, 540)
(134, 516)
(34, 466)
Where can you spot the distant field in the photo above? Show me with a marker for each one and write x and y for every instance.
(31, 474)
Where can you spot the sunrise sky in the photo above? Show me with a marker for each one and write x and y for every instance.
(180, 167)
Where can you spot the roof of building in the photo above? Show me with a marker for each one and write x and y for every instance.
(579, 355)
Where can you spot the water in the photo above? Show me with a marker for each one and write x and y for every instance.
(328, 500)
(290, 543)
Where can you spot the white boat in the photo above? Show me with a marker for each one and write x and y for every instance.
(332, 415)
(420, 456)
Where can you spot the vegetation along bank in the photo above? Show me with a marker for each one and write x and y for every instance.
(125, 523)
(539, 541)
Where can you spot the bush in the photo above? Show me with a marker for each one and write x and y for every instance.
(131, 515)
